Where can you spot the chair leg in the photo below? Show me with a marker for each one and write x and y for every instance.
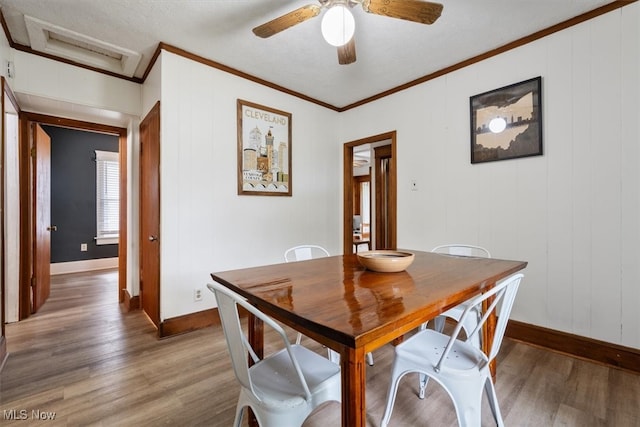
(333, 356)
(438, 323)
(424, 380)
(239, 416)
(391, 397)
(493, 401)
(467, 400)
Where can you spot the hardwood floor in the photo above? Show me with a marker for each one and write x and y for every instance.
(85, 360)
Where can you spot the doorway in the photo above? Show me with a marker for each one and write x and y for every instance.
(29, 207)
(362, 203)
(384, 204)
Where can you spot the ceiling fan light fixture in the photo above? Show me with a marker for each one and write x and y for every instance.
(338, 25)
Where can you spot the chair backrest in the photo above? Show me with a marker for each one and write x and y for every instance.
(304, 252)
(463, 250)
(504, 293)
(237, 341)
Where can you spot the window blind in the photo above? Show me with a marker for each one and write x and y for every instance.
(107, 197)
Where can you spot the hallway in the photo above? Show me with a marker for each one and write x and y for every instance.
(88, 362)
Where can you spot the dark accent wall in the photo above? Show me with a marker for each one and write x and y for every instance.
(73, 193)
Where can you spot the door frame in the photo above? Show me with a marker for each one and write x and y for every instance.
(383, 217)
(27, 207)
(347, 191)
(7, 97)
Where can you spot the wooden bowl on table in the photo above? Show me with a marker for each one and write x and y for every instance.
(386, 261)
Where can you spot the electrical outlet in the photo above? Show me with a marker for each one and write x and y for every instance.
(83, 247)
(197, 294)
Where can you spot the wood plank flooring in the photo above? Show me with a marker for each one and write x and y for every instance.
(85, 360)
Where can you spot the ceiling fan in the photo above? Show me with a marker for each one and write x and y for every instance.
(338, 24)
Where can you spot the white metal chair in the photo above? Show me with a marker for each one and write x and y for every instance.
(302, 253)
(458, 366)
(462, 250)
(305, 252)
(455, 313)
(283, 388)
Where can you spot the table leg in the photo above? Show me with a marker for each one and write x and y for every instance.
(256, 339)
(353, 387)
(398, 340)
(488, 331)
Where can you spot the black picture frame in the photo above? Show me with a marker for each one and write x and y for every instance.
(506, 123)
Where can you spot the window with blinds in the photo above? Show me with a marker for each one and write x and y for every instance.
(107, 197)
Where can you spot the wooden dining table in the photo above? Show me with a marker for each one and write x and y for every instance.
(352, 310)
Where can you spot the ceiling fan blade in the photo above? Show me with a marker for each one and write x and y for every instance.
(420, 11)
(287, 21)
(347, 52)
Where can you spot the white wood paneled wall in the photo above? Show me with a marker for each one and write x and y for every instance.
(573, 213)
(205, 226)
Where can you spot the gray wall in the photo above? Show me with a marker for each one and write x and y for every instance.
(73, 193)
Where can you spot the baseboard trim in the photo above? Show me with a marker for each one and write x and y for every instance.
(188, 322)
(84, 265)
(130, 303)
(574, 345)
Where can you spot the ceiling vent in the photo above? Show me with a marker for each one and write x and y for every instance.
(60, 42)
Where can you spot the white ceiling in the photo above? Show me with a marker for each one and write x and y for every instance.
(390, 52)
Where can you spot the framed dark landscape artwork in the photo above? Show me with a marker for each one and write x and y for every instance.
(264, 150)
(506, 123)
